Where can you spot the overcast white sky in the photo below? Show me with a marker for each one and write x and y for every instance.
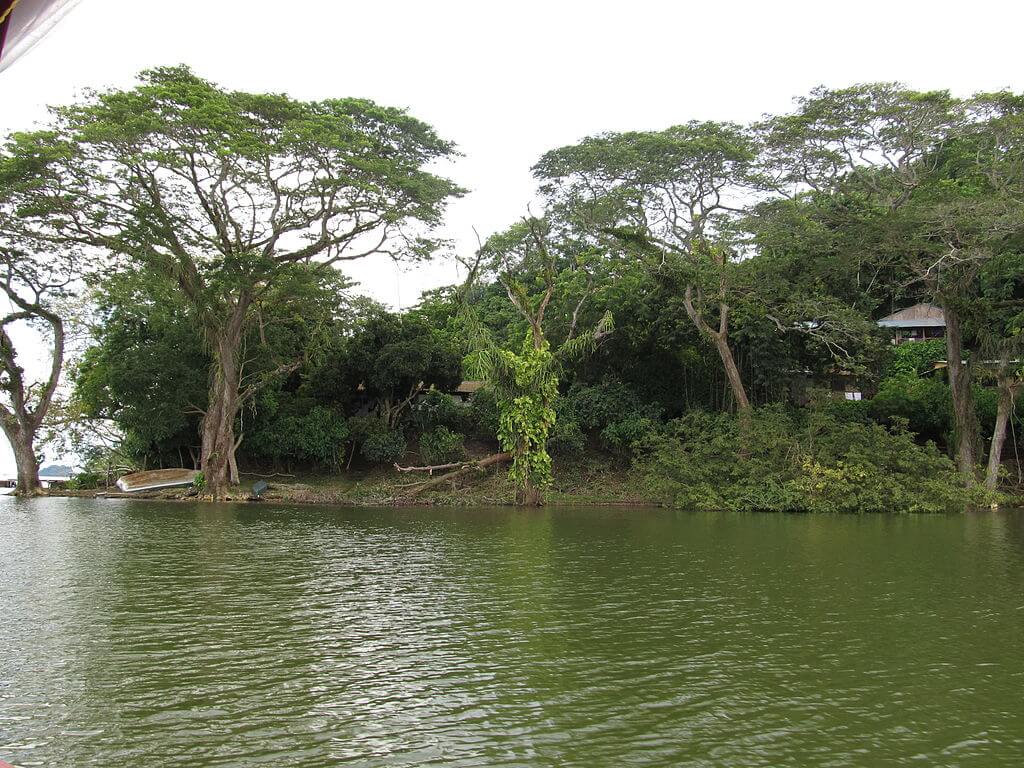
(508, 80)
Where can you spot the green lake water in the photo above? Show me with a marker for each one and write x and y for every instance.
(155, 634)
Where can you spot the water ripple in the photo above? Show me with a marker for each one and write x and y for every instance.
(147, 634)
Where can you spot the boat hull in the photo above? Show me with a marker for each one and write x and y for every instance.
(156, 479)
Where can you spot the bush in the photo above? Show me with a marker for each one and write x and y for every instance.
(848, 410)
(377, 443)
(923, 402)
(986, 401)
(634, 434)
(85, 481)
(625, 423)
(438, 409)
(915, 358)
(302, 433)
(442, 446)
(596, 406)
(802, 462)
(566, 439)
(383, 447)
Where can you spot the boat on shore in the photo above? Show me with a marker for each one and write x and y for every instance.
(156, 479)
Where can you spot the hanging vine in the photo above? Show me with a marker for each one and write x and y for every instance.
(525, 383)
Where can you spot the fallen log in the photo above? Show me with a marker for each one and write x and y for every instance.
(463, 468)
(430, 469)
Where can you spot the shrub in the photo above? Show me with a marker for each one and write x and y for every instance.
(625, 423)
(438, 409)
(634, 434)
(915, 358)
(848, 410)
(85, 481)
(316, 435)
(595, 406)
(442, 446)
(377, 443)
(986, 401)
(384, 447)
(567, 439)
(802, 462)
(924, 402)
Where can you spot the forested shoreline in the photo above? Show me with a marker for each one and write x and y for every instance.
(692, 311)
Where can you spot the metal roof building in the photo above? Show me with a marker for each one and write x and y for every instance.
(916, 323)
(918, 316)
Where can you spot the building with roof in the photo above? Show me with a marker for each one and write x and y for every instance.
(917, 323)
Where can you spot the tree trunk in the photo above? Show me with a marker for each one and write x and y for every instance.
(529, 496)
(720, 339)
(219, 434)
(20, 421)
(966, 430)
(732, 372)
(1004, 409)
(22, 443)
(233, 475)
(217, 460)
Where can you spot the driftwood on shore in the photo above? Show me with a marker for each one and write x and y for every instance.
(459, 468)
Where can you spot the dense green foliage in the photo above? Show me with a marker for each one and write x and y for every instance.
(237, 202)
(441, 446)
(801, 462)
(525, 387)
(693, 302)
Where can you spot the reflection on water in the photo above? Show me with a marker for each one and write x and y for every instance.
(149, 634)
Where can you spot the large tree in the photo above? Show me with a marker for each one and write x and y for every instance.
(225, 193)
(146, 370)
(931, 188)
(670, 199)
(36, 287)
(39, 278)
(877, 160)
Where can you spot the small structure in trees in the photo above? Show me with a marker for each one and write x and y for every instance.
(464, 392)
(917, 323)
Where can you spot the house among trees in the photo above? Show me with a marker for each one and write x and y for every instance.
(465, 391)
(916, 323)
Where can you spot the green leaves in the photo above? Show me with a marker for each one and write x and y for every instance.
(525, 386)
(794, 462)
(666, 186)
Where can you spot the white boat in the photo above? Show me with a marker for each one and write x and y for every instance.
(155, 479)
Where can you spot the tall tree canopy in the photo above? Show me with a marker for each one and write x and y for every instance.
(226, 194)
(670, 198)
(41, 278)
(916, 188)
